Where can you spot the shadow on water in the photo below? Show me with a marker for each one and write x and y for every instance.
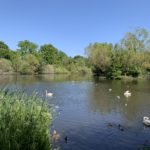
(90, 115)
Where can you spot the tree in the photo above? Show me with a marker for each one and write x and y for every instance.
(62, 58)
(27, 47)
(137, 41)
(49, 53)
(4, 51)
(99, 55)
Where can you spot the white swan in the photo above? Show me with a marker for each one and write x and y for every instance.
(146, 121)
(118, 97)
(49, 94)
(127, 94)
(110, 90)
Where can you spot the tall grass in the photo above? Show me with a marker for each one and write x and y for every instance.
(24, 122)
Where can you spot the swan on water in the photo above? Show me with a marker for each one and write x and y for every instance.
(110, 90)
(146, 121)
(49, 93)
(118, 97)
(127, 94)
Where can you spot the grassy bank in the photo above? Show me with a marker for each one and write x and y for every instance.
(24, 121)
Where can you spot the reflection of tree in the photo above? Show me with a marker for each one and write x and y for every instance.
(100, 99)
(31, 79)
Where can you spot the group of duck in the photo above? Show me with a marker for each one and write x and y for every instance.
(146, 120)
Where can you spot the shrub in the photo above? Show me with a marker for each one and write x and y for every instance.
(26, 68)
(60, 70)
(24, 122)
(46, 69)
(32, 61)
(5, 65)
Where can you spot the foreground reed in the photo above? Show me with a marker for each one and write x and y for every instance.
(24, 122)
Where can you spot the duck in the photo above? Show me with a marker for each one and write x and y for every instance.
(110, 90)
(66, 139)
(49, 94)
(146, 121)
(110, 124)
(55, 135)
(127, 94)
(118, 97)
(120, 127)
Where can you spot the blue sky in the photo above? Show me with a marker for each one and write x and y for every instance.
(70, 25)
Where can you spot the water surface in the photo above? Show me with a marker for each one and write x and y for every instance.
(88, 114)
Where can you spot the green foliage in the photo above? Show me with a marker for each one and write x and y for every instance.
(46, 69)
(99, 55)
(16, 62)
(4, 51)
(62, 58)
(78, 65)
(5, 66)
(60, 70)
(27, 47)
(32, 61)
(130, 57)
(24, 123)
(26, 68)
(49, 53)
(137, 40)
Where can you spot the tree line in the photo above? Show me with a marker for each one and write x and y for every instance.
(29, 58)
(129, 57)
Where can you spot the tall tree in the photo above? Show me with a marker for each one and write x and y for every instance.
(62, 58)
(137, 41)
(49, 53)
(99, 55)
(5, 52)
(27, 47)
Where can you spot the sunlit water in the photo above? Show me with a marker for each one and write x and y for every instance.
(89, 114)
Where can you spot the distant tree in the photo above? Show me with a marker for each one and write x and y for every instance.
(16, 61)
(137, 41)
(62, 58)
(32, 61)
(49, 53)
(115, 71)
(79, 60)
(99, 55)
(27, 47)
(5, 52)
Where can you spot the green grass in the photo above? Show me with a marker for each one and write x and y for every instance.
(24, 122)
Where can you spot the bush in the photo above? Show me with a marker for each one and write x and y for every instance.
(26, 68)
(24, 122)
(46, 69)
(5, 65)
(60, 70)
(81, 70)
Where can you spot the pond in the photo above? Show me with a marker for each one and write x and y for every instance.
(91, 116)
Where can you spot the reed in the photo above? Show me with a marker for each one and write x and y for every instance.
(24, 122)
